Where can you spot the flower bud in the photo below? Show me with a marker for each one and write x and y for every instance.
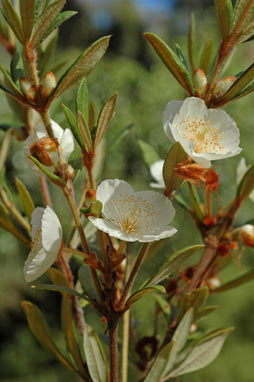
(192, 172)
(200, 82)
(222, 86)
(48, 84)
(245, 234)
(45, 150)
(211, 180)
(90, 195)
(213, 283)
(28, 89)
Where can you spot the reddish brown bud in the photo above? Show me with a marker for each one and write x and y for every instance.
(246, 235)
(200, 82)
(48, 84)
(193, 172)
(28, 89)
(211, 180)
(45, 150)
(223, 249)
(222, 86)
(90, 195)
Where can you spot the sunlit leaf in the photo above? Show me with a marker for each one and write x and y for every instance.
(12, 19)
(27, 12)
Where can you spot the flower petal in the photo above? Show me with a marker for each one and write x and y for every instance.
(156, 172)
(67, 143)
(36, 219)
(37, 264)
(51, 231)
(172, 108)
(110, 187)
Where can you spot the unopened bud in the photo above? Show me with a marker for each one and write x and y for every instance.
(28, 89)
(192, 172)
(90, 195)
(48, 84)
(245, 234)
(45, 150)
(213, 283)
(96, 207)
(222, 86)
(211, 180)
(200, 81)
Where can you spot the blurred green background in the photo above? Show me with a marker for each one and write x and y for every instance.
(145, 86)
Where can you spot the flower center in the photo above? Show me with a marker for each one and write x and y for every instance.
(36, 244)
(203, 134)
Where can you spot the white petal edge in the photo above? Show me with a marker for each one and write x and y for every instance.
(67, 143)
(51, 231)
(111, 187)
(38, 265)
(172, 108)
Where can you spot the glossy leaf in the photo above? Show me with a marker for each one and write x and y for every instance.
(173, 264)
(86, 281)
(17, 67)
(246, 185)
(82, 67)
(171, 60)
(201, 355)
(84, 132)
(224, 15)
(45, 21)
(95, 357)
(41, 331)
(27, 12)
(235, 283)
(148, 152)
(12, 19)
(143, 292)
(82, 99)
(106, 114)
(25, 198)
(175, 156)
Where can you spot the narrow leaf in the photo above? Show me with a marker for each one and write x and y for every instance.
(12, 19)
(206, 56)
(175, 156)
(201, 356)
(54, 178)
(164, 357)
(60, 19)
(84, 132)
(59, 288)
(27, 12)
(83, 66)
(82, 99)
(25, 198)
(10, 82)
(41, 331)
(224, 16)
(86, 281)
(171, 60)
(73, 125)
(239, 85)
(143, 292)
(242, 26)
(95, 357)
(246, 185)
(148, 152)
(17, 67)
(191, 42)
(183, 330)
(45, 21)
(104, 119)
(172, 265)
(125, 131)
(204, 312)
(235, 283)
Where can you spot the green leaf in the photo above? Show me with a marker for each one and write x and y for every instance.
(173, 264)
(235, 283)
(41, 331)
(149, 154)
(243, 25)
(25, 198)
(17, 67)
(180, 200)
(45, 21)
(84, 132)
(182, 331)
(12, 19)
(239, 85)
(246, 185)
(165, 356)
(82, 99)
(46, 52)
(54, 178)
(201, 355)
(60, 289)
(86, 281)
(82, 67)
(73, 125)
(143, 292)
(181, 55)
(206, 56)
(171, 60)
(191, 42)
(125, 131)
(195, 201)
(67, 320)
(163, 304)
(175, 156)
(106, 114)
(195, 299)
(4, 149)
(10, 82)
(27, 12)
(224, 16)
(204, 312)
(95, 357)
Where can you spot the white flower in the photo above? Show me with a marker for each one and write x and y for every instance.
(133, 216)
(64, 138)
(205, 134)
(240, 172)
(46, 243)
(156, 172)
